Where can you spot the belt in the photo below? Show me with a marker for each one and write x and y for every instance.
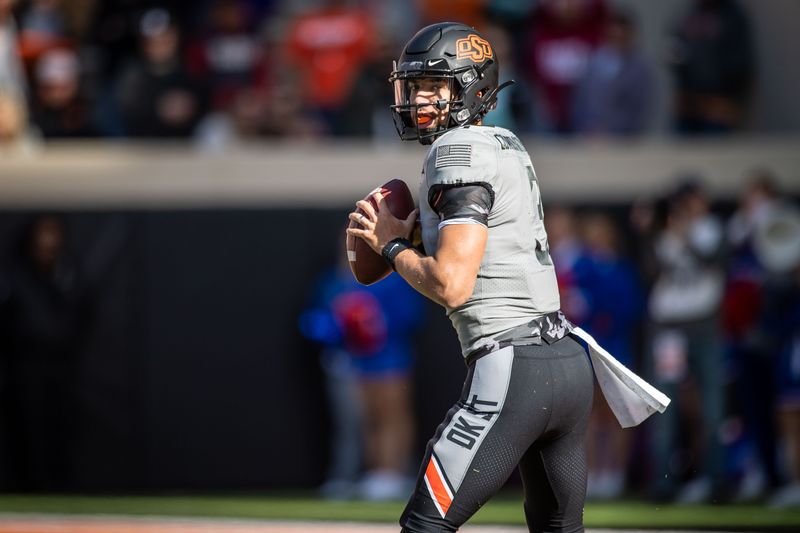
(548, 328)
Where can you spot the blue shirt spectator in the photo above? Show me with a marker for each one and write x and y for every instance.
(615, 94)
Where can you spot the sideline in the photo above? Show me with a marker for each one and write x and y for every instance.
(49, 523)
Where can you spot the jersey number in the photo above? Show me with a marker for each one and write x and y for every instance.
(542, 248)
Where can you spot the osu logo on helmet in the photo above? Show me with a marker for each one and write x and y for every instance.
(473, 47)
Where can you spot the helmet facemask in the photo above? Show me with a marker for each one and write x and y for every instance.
(471, 97)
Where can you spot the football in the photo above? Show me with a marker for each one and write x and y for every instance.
(367, 266)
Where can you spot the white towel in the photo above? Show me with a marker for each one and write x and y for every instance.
(630, 397)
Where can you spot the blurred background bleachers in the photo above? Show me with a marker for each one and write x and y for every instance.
(174, 177)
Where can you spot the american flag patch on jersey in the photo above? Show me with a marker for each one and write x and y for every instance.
(453, 155)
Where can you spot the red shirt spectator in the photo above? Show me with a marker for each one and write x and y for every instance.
(329, 46)
(565, 32)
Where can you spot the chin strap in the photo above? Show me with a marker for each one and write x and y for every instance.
(486, 103)
(490, 99)
(503, 85)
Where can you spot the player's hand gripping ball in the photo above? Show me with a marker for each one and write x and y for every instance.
(366, 263)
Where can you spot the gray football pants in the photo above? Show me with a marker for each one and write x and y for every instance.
(521, 406)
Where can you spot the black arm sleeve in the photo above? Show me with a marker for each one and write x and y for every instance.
(467, 203)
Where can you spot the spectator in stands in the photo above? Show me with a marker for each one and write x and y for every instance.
(563, 36)
(49, 24)
(14, 136)
(13, 125)
(114, 31)
(58, 108)
(515, 107)
(777, 335)
(615, 94)
(611, 288)
(684, 308)
(12, 78)
(47, 310)
(238, 66)
(762, 322)
(286, 113)
(244, 119)
(156, 96)
(44, 318)
(754, 367)
(42, 28)
(566, 250)
(328, 47)
(227, 52)
(599, 292)
(712, 60)
(365, 111)
(368, 343)
(759, 199)
(646, 218)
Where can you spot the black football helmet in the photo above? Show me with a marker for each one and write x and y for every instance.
(458, 54)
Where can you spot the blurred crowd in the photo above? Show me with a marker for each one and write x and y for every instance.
(712, 309)
(217, 71)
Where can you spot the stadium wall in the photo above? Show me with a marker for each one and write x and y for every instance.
(162, 176)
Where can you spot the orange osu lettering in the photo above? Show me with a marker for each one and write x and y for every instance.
(473, 47)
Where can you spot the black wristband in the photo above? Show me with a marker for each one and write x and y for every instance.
(394, 247)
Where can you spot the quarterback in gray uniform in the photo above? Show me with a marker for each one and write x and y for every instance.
(528, 393)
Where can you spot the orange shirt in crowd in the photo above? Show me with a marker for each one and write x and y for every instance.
(329, 47)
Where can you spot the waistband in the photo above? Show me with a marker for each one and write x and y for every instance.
(548, 328)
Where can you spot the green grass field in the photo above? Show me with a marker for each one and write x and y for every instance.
(500, 511)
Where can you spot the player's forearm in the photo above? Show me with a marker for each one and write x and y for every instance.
(434, 279)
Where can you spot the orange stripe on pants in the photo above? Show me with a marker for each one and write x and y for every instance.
(436, 484)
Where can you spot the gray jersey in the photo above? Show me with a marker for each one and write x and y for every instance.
(516, 281)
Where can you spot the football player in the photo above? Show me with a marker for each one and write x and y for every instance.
(528, 391)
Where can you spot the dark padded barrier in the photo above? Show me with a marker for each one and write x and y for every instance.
(193, 374)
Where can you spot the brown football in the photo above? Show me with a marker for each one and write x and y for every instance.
(369, 267)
